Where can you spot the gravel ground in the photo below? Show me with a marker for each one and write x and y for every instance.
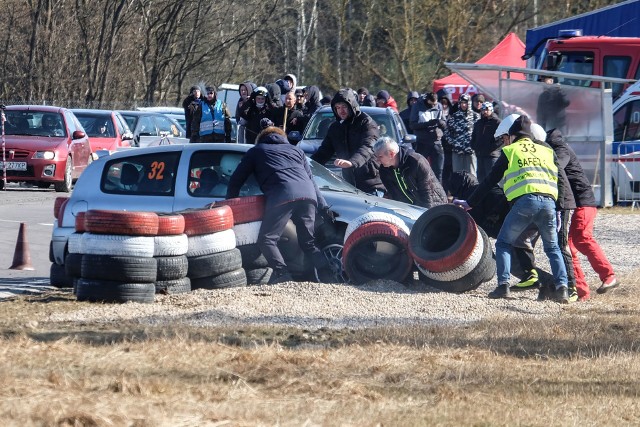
(381, 303)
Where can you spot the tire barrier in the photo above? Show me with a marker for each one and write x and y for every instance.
(74, 243)
(58, 277)
(214, 264)
(172, 287)
(375, 217)
(211, 243)
(231, 279)
(245, 209)
(247, 233)
(207, 221)
(170, 245)
(112, 291)
(99, 221)
(377, 250)
(258, 276)
(119, 268)
(172, 267)
(450, 251)
(170, 224)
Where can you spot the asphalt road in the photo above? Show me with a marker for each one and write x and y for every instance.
(34, 208)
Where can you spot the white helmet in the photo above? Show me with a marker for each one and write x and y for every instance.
(505, 124)
(538, 132)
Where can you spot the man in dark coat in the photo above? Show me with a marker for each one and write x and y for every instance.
(552, 105)
(407, 175)
(294, 118)
(405, 114)
(428, 124)
(291, 193)
(253, 111)
(194, 95)
(351, 138)
(483, 141)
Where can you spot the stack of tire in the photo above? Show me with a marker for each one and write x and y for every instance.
(170, 248)
(214, 262)
(117, 261)
(376, 247)
(247, 219)
(451, 252)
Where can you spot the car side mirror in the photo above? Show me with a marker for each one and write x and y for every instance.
(78, 134)
(127, 136)
(295, 136)
(409, 139)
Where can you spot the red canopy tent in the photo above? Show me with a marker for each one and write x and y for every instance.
(508, 53)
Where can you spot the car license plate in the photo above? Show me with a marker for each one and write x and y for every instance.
(15, 166)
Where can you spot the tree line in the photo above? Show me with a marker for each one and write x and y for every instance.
(123, 53)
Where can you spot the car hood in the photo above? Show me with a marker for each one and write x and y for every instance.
(27, 142)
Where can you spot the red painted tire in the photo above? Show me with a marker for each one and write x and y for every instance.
(57, 205)
(80, 217)
(126, 223)
(442, 238)
(245, 209)
(377, 250)
(170, 224)
(207, 221)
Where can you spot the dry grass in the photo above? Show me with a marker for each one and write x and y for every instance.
(581, 368)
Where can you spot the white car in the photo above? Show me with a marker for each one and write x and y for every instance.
(166, 179)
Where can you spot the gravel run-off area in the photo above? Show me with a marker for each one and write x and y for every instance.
(381, 303)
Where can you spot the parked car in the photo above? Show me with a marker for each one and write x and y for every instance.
(44, 145)
(388, 120)
(149, 127)
(175, 113)
(107, 129)
(166, 179)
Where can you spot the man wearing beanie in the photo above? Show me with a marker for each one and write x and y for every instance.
(290, 193)
(530, 171)
(384, 100)
(194, 95)
(210, 119)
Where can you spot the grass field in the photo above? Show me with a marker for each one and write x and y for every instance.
(581, 368)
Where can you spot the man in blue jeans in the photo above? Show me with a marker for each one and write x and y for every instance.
(530, 171)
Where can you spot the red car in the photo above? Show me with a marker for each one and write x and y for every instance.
(107, 129)
(44, 145)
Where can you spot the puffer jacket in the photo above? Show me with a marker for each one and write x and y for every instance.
(352, 139)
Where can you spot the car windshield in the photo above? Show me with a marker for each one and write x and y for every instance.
(131, 120)
(320, 122)
(34, 123)
(328, 181)
(97, 125)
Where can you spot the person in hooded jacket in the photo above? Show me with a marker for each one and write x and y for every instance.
(384, 100)
(245, 89)
(351, 138)
(460, 127)
(365, 99)
(486, 146)
(290, 193)
(581, 228)
(257, 108)
(407, 175)
(274, 94)
(312, 96)
(429, 126)
(405, 115)
(211, 120)
(195, 94)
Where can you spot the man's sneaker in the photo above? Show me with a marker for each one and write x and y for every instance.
(573, 293)
(501, 291)
(280, 277)
(561, 295)
(530, 282)
(610, 283)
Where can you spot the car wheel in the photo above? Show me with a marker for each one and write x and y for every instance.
(58, 277)
(1, 184)
(65, 185)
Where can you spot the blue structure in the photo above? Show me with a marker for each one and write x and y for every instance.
(618, 20)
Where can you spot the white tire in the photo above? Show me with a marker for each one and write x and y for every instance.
(463, 269)
(75, 243)
(170, 245)
(247, 233)
(211, 243)
(375, 217)
(117, 245)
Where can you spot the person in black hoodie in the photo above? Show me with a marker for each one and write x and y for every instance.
(257, 108)
(405, 115)
(428, 124)
(486, 146)
(245, 89)
(351, 138)
(290, 193)
(312, 95)
(195, 94)
(407, 175)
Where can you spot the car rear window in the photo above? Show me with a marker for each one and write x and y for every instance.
(148, 174)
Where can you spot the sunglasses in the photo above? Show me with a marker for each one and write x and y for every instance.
(211, 93)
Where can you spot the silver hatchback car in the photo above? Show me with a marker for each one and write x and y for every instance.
(166, 179)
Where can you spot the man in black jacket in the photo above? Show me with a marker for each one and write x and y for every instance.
(428, 124)
(194, 95)
(407, 175)
(486, 146)
(291, 193)
(405, 115)
(351, 138)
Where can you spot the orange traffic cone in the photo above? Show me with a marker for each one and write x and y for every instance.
(21, 257)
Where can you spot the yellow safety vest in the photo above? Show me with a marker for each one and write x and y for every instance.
(531, 170)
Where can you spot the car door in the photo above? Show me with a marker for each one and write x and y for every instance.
(79, 148)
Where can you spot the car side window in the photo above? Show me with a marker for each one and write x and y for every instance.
(149, 174)
(320, 125)
(147, 127)
(165, 125)
(210, 171)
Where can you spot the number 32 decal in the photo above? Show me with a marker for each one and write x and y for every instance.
(157, 171)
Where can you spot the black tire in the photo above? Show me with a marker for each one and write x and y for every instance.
(258, 276)
(43, 185)
(65, 185)
(120, 268)
(58, 277)
(51, 257)
(112, 291)
(442, 238)
(232, 279)
(73, 265)
(214, 264)
(252, 258)
(483, 272)
(172, 287)
(172, 267)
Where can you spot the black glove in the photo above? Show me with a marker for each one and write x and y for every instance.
(327, 214)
